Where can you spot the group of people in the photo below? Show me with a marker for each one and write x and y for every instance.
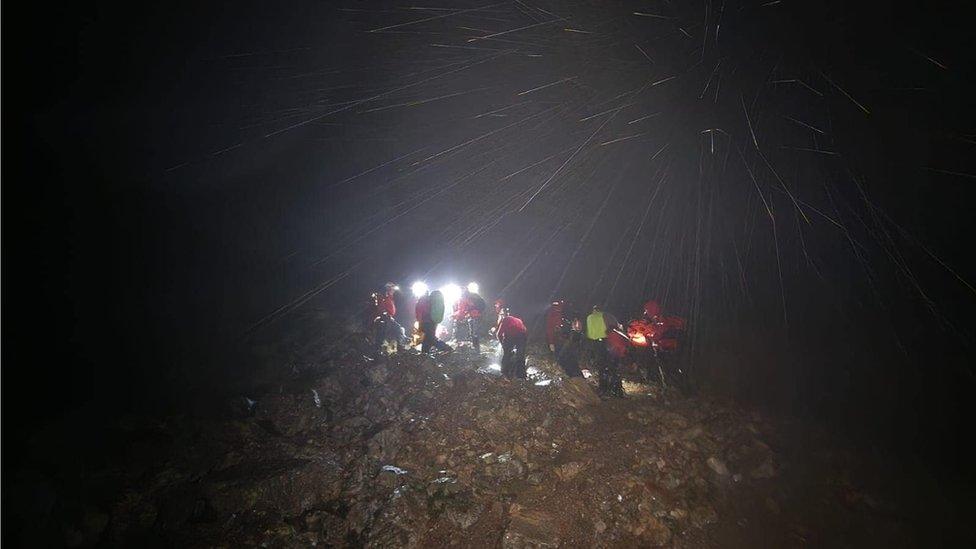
(598, 339)
(607, 345)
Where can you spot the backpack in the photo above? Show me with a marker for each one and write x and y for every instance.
(436, 306)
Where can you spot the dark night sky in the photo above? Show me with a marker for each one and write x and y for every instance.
(174, 174)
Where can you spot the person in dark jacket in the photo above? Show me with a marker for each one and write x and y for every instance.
(430, 313)
(569, 354)
(513, 336)
(612, 362)
(382, 317)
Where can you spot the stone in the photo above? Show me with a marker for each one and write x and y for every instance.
(529, 528)
(385, 444)
(703, 516)
(718, 466)
(678, 514)
(568, 471)
(285, 414)
(577, 393)
(651, 530)
(290, 487)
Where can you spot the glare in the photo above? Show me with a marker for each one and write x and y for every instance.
(473, 287)
(452, 292)
(496, 367)
(419, 288)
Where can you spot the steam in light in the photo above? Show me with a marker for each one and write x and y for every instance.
(473, 287)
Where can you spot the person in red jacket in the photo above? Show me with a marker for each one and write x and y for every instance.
(382, 317)
(618, 345)
(655, 338)
(513, 336)
(467, 314)
(384, 303)
(554, 324)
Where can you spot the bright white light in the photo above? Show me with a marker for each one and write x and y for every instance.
(473, 287)
(452, 292)
(496, 367)
(419, 288)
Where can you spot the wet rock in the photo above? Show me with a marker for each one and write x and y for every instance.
(718, 466)
(530, 528)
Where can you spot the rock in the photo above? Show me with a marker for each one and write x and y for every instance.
(506, 470)
(577, 393)
(530, 528)
(464, 516)
(599, 526)
(286, 414)
(703, 516)
(568, 470)
(377, 374)
(384, 445)
(290, 487)
(678, 514)
(718, 466)
(651, 530)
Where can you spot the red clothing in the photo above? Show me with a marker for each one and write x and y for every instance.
(652, 309)
(554, 318)
(510, 326)
(466, 308)
(642, 332)
(422, 310)
(387, 305)
(617, 344)
(661, 333)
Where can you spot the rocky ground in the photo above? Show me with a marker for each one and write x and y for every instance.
(325, 446)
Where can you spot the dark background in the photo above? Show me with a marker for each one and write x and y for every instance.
(155, 212)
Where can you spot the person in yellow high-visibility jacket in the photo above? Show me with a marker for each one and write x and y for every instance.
(597, 324)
